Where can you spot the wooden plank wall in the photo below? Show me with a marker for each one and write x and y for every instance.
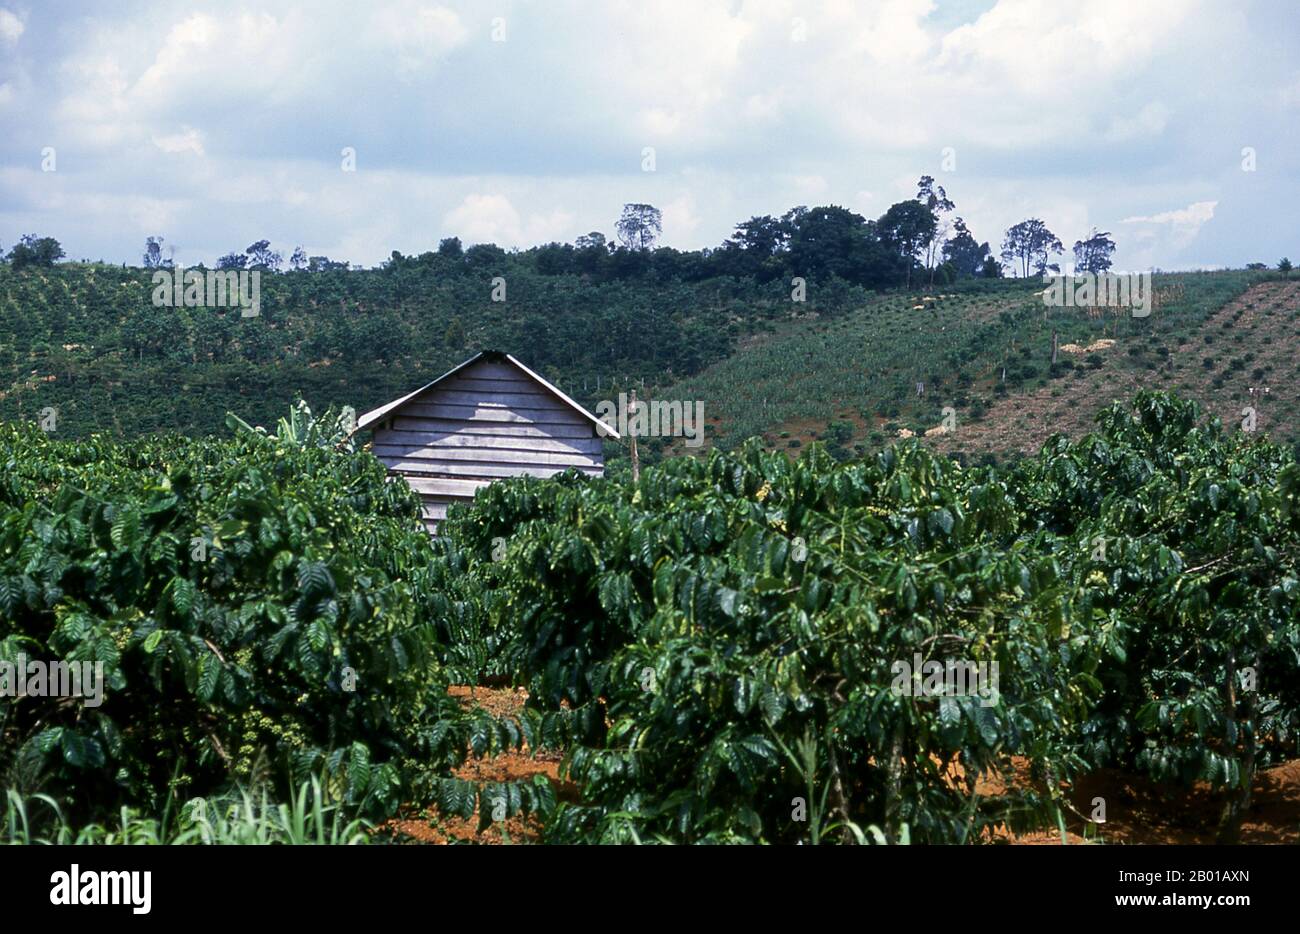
(488, 421)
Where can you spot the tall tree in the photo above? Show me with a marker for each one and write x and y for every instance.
(1093, 255)
(317, 264)
(936, 199)
(829, 240)
(32, 250)
(592, 251)
(153, 254)
(640, 226)
(753, 249)
(825, 241)
(964, 252)
(1030, 243)
(908, 226)
(765, 235)
(298, 261)
(261, 256)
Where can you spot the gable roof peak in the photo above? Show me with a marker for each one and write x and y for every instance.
(491, 356)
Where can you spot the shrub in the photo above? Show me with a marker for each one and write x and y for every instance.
(725, 632)
(255, 606)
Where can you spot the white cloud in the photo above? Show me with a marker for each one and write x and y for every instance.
(188, 140)
(189, 45)
(890, 32)
(248, 60)
(1048, 49)
(1149, 121)
(131, 212)
(680, 218)
(484, 219)
(1175, 229)
(491, 218)
(418, 35)
(1194, 215)
(763, 107)
(810, 186)
(11, 27)
(1290, 94)
(659, 122)
(1072, 113)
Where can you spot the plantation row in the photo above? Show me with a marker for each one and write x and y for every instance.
(715, 648)
(84, 344)
(969, 348)
(736, 623)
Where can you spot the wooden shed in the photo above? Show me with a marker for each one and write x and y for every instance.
(488, 418)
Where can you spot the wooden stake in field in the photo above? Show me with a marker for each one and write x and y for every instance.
(636, 460)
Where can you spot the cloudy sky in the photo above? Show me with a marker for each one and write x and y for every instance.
(1170, 123)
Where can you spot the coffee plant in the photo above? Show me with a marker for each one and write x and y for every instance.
(256, 607)
(734, 648)
(724, 631)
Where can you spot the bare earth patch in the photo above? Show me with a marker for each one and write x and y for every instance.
(426, 824)
(1262, 317)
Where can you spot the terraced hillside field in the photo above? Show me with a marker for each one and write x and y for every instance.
(985, 360)
(1241, 357)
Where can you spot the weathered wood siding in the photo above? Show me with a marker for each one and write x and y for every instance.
(487, 421)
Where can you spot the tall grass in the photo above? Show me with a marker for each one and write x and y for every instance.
(239, 819)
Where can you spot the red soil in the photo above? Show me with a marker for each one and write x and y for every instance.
(1138, 811)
